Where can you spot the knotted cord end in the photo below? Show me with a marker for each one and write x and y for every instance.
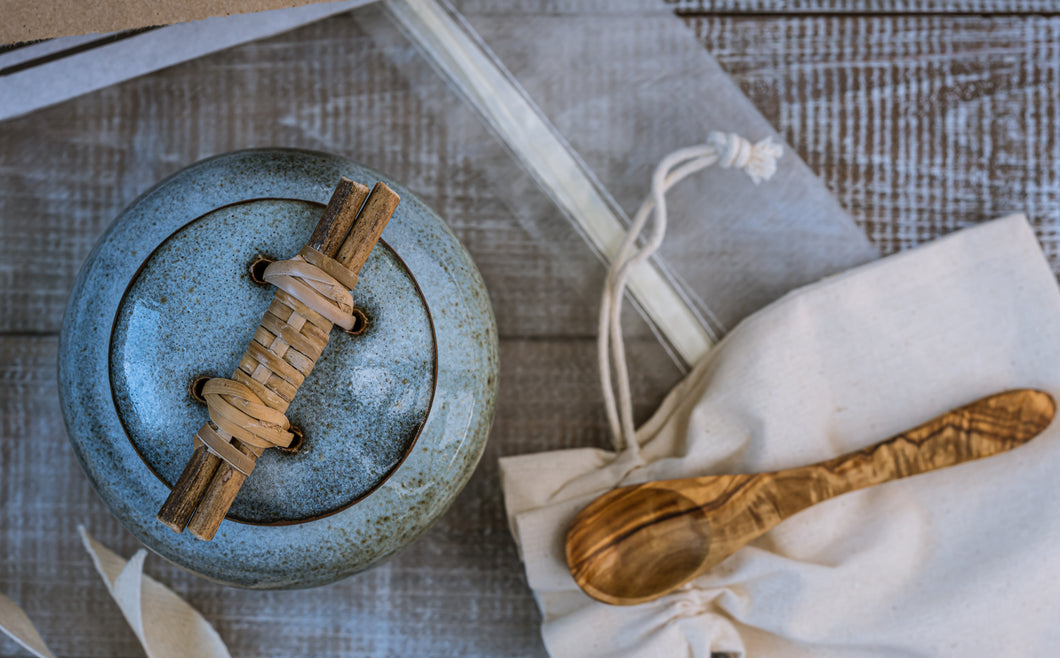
(759, 160)
(728, 150)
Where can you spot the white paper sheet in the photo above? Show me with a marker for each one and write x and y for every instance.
(42, 74)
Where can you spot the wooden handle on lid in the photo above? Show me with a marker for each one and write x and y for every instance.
(352, 254)
(327, 237)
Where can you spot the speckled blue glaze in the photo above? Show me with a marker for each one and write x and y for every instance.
(362, 407)
(395, 419)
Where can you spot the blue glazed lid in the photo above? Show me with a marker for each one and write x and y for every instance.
(394, 419)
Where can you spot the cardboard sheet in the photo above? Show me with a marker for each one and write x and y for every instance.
(31, 20)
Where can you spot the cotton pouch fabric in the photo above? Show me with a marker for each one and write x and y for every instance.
(958, 562)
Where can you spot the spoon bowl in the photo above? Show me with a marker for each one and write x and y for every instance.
(674, 544)
(637, 543)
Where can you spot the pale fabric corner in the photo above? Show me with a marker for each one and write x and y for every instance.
(914, 567)
(165, 624)
(17, 626)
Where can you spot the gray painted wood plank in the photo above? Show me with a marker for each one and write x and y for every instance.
(919, 125)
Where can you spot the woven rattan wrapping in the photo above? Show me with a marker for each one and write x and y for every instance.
(250, 407)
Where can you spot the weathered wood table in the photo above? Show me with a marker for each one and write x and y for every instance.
(919, 120)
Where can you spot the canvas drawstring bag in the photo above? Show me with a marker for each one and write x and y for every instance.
(956, 562)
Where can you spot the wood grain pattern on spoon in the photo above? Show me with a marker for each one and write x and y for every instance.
(637, 543)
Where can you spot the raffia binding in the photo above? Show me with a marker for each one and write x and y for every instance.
(314, 287)
(291, 337)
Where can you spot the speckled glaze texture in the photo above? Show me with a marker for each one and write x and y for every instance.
(395, 419)
(362, 407)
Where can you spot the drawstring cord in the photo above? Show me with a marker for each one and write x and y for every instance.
(728, 150)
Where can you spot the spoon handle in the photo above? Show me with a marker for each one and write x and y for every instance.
(980, 429)
(636, 543)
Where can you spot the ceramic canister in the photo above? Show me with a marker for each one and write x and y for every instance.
(394, 419)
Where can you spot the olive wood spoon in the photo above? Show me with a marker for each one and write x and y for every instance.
(637, 543)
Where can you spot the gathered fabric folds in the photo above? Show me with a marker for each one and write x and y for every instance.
(955, 562)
